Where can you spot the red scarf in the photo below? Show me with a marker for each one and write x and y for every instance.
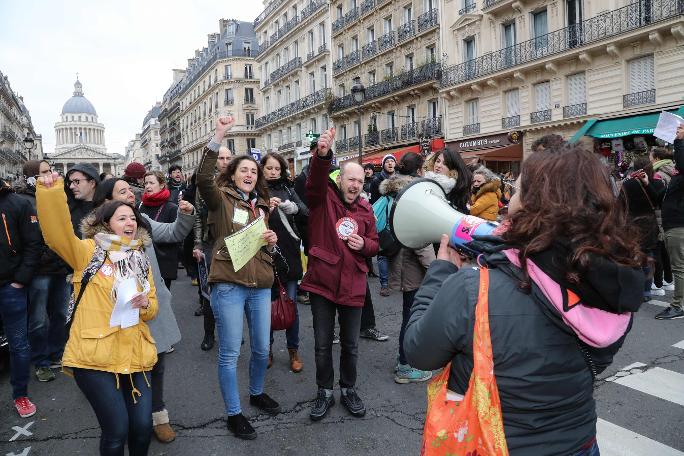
(156, 199)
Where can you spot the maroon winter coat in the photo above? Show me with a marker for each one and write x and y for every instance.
(335, 271)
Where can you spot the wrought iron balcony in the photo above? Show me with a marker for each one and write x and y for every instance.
(282, 147)
(293, 108)
(372, 138)
(406, 31)
(352, 59)
(313, 54)
(311, 8)
(428, 20)
(369, 50)
(471, 129)
(265, 13)
(338, 24)
(574, 110)
(607, 25)
(389, 135)
(353, 142)
(510, 122)
(367, 6)
(338, 65)
(249, 102)
(417, 76)
(468, 8)
(540, 116)
(341, 145)
(387, 40)
(285, 69)
(639, 98)
(351, 16)
(432, 127)
(409, 131)
(322, 48)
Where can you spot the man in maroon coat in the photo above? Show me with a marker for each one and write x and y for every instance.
(342, 235)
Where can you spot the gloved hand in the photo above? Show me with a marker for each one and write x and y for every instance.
(288, 207)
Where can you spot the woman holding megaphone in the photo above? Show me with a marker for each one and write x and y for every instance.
(524, 335)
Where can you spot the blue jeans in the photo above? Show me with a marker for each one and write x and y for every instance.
(13, 303)
(229, 302)
(593, 451)
(292, 333)
(48, 297)
(121, 418)
(383, 271)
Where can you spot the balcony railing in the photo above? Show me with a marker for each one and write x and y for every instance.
(367, 6)
(575, 110)
(353, 142)
(409, 131)
(540, 116)
(351, 16)
(406, 31)
(468, 8)
(311, 8)
(432, 127)
(207, 61)
(295, 107)
(249, 102)
(341, 145)
(387, 40)
(417, 76)
(313, 54)
(290, 145)
(271, 7)
(639, 98)
(510, 122)
(389, 135)
(471, 129)
(285, 69)
(369, 50)
(338, 24)
(631, 17)
(371, 139)
(428, 20)
(352, 59)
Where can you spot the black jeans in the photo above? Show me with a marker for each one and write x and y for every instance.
(157, 382)
(121, 417)
(207, 313)
(167, 282)
(368, 313)
(663, 270)
(405, 315)
(349, 318)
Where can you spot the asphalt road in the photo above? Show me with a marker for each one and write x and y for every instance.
(641, 409)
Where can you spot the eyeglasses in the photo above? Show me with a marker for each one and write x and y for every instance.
(77, 181)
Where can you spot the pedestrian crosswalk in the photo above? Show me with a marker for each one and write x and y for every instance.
(657, 382)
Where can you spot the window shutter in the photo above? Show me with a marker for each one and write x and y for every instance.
(542, 96)
(512, 103)
(641, 74)
(576, 89)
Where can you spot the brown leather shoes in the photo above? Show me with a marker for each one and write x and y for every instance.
(296, 364)
(162, 429)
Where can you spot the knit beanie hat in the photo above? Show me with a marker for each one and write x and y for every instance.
(87, 169)
(388, 157)
(135, 170)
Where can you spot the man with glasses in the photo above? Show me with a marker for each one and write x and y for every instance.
(81, 182)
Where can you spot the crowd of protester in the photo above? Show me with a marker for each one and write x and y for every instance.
(567, 249)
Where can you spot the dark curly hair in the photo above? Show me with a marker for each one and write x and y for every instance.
(225, 179)
(566, 194)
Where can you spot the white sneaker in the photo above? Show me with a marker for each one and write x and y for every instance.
(668, 286)
(657, 292)
(654, 286)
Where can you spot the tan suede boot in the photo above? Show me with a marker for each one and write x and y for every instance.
(295, 363)
(162, 428)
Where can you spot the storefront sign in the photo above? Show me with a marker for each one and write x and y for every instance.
(486, 142)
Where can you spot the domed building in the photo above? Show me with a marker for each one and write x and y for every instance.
(80, 138)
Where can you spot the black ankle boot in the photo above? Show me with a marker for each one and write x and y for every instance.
(207, 342)
(240, 427)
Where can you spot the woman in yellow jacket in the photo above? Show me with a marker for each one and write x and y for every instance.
(486, 194)
(108, 358)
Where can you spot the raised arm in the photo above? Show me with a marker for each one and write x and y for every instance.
(317, 181)
(177, 230)
(205, 174)
(55, 223)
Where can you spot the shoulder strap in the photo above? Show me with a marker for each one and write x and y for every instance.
(88, 274)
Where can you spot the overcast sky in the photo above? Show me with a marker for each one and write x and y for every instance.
(123, 50)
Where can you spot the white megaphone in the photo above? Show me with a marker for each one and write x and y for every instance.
(421, 214)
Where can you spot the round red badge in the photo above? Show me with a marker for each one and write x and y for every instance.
(346, 226)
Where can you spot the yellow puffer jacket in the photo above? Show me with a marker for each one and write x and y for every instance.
(93, 344)
(485, 204)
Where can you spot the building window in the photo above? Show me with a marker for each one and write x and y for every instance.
(296, 90)
(321, 33)
(472, 112)
(343, 130)
(338, 10)
(411, 114)
(542, 96)
(355, 43)
(231, 145)
(251, 144)
(540, 29)
(430, 54)
(340, 90)
(512, 102)
(324, 77)
(312, 124)
(433, 109)
(387, 24)
(390, 119)
(408, 62)
(389, 70)
(641, 76)
(371, 77)
(228, 71)
(577, 93)
(269, 141)
(408, 14)
(340, 51)
(312, 82)
(508, 35)
(249, 74)
(370, 34)
(249, 119)
(325, 122)
(310, 42)
(295, 49)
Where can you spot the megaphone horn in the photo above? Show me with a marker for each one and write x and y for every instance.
(421, 214)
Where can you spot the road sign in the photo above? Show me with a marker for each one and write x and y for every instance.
(311, 136)
(256, 153)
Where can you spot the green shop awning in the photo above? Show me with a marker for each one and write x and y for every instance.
(643, 124)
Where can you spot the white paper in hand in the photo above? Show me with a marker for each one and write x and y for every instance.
(667, 126)
(124, 314)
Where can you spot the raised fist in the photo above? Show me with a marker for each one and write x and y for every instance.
(325, 142)
(223, 125)
(49, 180)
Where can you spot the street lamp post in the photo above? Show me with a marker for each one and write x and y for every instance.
(359, 93)
(29, 144)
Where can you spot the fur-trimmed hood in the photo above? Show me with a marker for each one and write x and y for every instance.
(89, 230)
(447, 183)
(493, 186)
(394, 184)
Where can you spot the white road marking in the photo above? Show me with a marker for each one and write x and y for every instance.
(22, 430)
(632, 366)
(655, 302)
(658, 382)
(614, 440)
(679, 345)
(23, 453)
